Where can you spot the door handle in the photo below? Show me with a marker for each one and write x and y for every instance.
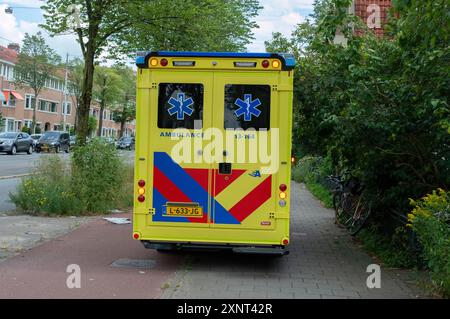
(225, 168)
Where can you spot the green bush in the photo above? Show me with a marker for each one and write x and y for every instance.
(95, 182)
(430, 220)
(26, 129)
(48, 190)
(97, 175)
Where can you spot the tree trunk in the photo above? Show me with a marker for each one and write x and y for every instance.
(86, 96)
(100, 120)
(122, 127)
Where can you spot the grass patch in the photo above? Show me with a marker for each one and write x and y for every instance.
(391, 253)
(321, 193)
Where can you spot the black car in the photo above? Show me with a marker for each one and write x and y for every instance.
(125, 143)
(54, 141)
(13, 142)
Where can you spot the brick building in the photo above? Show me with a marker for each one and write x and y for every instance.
(17, 102)
(372, 12)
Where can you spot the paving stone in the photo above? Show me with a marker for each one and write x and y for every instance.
(323, 263)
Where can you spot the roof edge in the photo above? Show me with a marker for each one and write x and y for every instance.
(287, 59)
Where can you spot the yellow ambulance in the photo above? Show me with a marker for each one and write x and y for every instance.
(213, 151)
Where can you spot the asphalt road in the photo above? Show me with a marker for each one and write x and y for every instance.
(7, 186)
(22, 163)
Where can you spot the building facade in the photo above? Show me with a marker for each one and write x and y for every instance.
(54, 111)
(374, 13)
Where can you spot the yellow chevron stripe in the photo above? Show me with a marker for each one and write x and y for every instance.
(238, 189)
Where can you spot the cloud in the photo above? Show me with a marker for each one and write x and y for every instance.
(13, 29)
(280, 16)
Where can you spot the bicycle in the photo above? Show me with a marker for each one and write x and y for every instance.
(351, 210)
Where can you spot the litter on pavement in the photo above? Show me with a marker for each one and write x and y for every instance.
(118, 220)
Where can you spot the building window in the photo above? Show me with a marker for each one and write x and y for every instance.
(9, 124)
(68, 108)
(48, 106)
(27, 123)
(11, 101)
(30, 101)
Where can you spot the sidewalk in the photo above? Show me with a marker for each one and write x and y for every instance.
(323, 263)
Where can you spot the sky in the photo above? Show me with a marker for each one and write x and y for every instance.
(277, 16)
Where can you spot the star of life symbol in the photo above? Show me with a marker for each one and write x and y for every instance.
(247, 107)
(181, 106)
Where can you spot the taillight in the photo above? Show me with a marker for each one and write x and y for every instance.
(283, 189)
(164, 62)
(265, 64)
(141, 191)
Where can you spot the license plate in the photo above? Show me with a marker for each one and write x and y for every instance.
(184, 211)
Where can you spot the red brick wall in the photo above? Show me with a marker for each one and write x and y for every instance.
(361, 7)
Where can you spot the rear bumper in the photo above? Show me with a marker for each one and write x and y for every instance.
(244, 249)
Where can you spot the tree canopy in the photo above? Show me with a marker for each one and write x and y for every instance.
(376, 106)
(116, 28)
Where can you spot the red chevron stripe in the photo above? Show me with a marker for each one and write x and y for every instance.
(258, 196)
(173, 194)
(200, 175)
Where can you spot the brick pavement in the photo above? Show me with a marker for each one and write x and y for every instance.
(324, 262)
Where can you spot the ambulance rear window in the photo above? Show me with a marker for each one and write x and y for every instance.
(179, 105)
(247, 106)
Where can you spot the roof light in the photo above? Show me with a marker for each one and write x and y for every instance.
(153, 62)
(275, 64)
(164, 62)
(245, 64)
(183, 63)
(265, 64)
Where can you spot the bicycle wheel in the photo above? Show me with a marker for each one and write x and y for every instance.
(361, 211)
(337, 205)
(343, 209)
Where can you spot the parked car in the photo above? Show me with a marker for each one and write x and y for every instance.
(13, 142)
(53, 141)
(73, 140)
(107, 140)
(35, 138)
(125, 143)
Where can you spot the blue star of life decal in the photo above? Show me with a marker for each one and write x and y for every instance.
(247, 107)
(181, 106)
